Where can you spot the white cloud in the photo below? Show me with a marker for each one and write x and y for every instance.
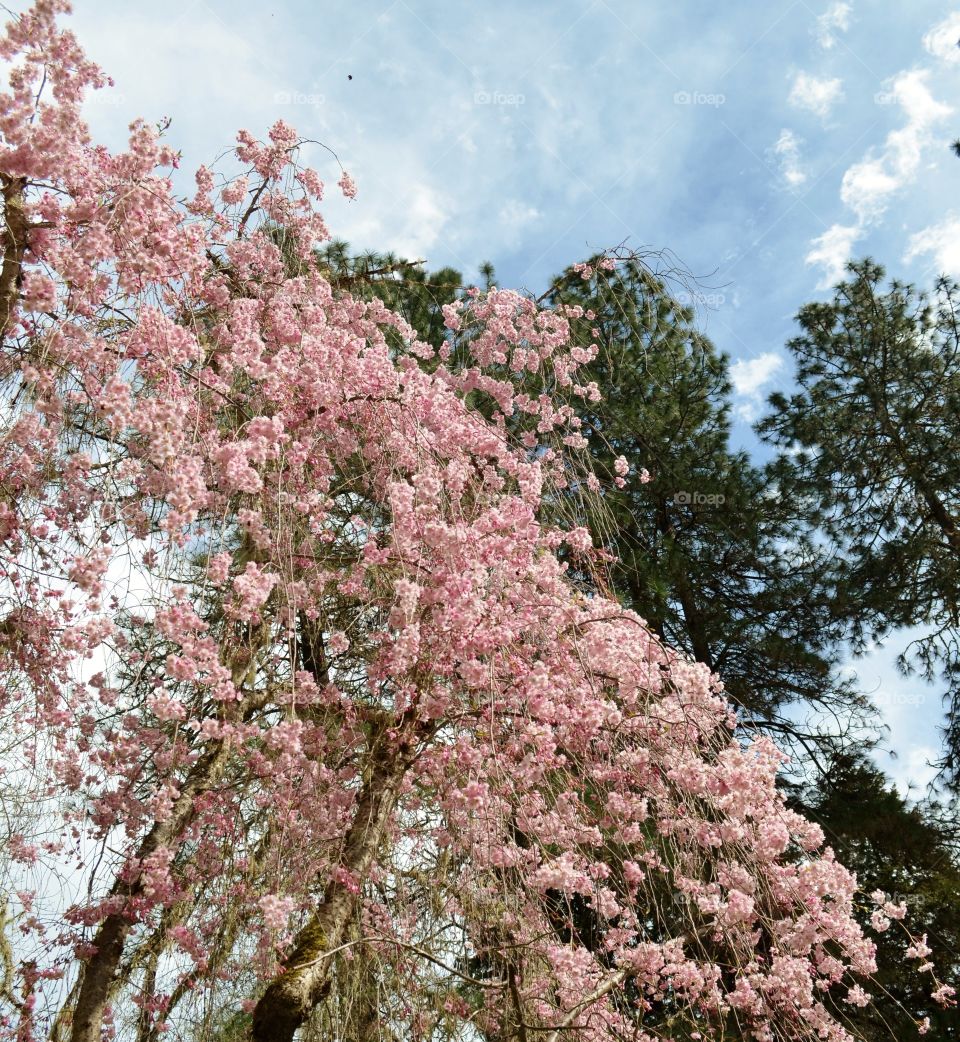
(836, 19)
(394, 72)
(942, 241)
(908, 709)
(424, 218)
(787, 150)
(750, 374)
(180, 73)
(513, 218)
(911, 91)
(911, 772)
(815, 94)
(831, 251)
(516, 213)
(467, 143)
(942, 39)
(868, 185)
(404, 215)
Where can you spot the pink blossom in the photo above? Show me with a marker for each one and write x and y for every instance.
(944, 995)
(338, 642)
(235, 191)
(276, 911)
(253, 588)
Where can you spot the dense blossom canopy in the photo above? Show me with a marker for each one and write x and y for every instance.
(303, 714)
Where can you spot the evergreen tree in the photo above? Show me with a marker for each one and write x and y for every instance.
(870, 454)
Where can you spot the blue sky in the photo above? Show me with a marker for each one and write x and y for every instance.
(762, 143)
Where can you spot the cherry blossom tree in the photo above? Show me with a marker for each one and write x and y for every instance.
(316, 730)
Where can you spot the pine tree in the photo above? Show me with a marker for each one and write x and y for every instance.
(870, 454)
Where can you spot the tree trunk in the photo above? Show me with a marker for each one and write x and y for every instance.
(305, 982)
(14, 246)
(109, 940)
(98, 973)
